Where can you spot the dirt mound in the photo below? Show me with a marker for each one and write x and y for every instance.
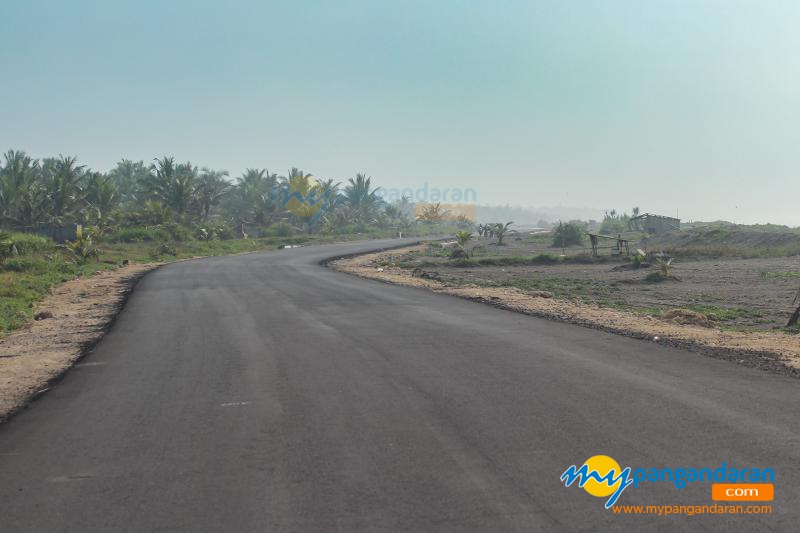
(688, 317)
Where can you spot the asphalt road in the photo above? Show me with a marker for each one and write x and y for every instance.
(267, 393)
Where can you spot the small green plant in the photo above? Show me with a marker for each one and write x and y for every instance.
(664, 271)
(82, 248)
(463, 238)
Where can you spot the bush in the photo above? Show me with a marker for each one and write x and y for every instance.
(164, 249)
(27, 243)
(178, 233)
(214, 230)
(281, 229)
(569, 234)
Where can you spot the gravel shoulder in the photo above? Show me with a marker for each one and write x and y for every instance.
(774, 351)
(71, 320)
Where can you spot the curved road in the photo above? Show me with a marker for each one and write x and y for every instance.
(267, 393)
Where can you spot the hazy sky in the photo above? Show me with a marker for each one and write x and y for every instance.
(690, 106)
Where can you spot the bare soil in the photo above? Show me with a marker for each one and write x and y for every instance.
(72, 319)
(724, 283)
(755, 293)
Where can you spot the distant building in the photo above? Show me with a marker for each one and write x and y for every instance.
(655, 224)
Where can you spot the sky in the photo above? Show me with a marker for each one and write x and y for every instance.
(687, 107)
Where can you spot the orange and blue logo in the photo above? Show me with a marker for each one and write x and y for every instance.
(603, 477)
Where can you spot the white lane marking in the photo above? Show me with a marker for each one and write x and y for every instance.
(233, 404)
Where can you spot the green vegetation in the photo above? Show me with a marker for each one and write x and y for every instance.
(500, 231)
(25, 280)
(138, 202)
(7, 248)
(463, 238)
(568, 234)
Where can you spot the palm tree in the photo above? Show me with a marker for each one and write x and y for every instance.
(102, 197)
(248, 201)
(63, 181)
(364, 201)
(127, 178)
(211, 188)
(173, 185)
(23, 200)
(500, 230)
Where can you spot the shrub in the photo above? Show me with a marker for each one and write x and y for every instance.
(569, 234)
(214, 230)
(164, 249)
(281, 229)
(7, 248)
(81, 249)
(178, 233)
(27, 243)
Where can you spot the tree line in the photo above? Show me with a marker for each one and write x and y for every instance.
(59, 191)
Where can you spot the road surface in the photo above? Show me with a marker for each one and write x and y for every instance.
(265, 392)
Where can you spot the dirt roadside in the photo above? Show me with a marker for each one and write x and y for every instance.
(778, 352)
(72, 319)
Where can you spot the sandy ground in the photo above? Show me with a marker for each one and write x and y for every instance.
(81, 310)
(769, 350)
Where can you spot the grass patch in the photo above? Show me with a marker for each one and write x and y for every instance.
(26, 280)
